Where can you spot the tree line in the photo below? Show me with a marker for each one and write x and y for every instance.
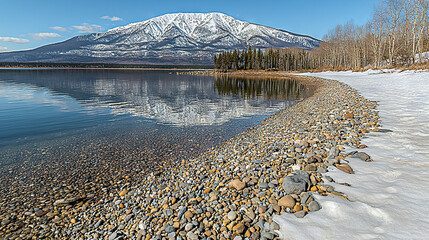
(396, 35)
(286, 59)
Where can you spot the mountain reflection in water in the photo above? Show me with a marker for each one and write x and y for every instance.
(181, 100)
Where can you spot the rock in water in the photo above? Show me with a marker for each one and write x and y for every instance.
(296, 183)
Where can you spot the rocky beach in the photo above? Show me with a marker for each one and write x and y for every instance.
(231, 191)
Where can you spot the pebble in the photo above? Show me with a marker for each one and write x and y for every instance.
(169, 229)
(188, 227)
(232, 215)
(192, 236)
(345, 168)
(237, 184)
(171, 235)
(361, 155)
(268, 235)
(287, 202)
(122, 193)
(295, 184)
(300, 214)
(314, 206)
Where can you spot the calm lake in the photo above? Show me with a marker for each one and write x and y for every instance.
(67, 115)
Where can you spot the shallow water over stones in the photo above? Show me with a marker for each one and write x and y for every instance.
(43, 108)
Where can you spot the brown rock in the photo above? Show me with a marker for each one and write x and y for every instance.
(239, 228)
(66, 201)
(188, 214)
(287, 202)
(297, 208)
(121, 194)
(345, 168)
(41, 214)
(310, 168)
(237, 184)
(276, 207)
(349, 116)
(176, 224)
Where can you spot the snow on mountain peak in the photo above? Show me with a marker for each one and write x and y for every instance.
(175, 38)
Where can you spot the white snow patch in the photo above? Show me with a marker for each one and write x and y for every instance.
(390, 196)
(425, 57)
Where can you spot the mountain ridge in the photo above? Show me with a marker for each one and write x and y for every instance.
(175, 38)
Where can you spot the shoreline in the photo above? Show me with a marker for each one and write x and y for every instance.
(234, 189)
(95, 68)
(382, 191)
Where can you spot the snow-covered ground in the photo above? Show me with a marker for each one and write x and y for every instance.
(425, 57)
(390, 196)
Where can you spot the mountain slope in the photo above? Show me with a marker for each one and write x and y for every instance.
(180, 38)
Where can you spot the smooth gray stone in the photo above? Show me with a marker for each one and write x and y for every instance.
(296, 183)
(314, 206)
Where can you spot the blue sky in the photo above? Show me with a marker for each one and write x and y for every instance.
(26, 24)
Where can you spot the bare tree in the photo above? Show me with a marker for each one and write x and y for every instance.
(392, 16)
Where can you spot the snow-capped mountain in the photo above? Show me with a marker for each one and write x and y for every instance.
(179, 38)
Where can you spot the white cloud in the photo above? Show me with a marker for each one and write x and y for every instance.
(61, 29)
(39, 36)
(112, 18)
(88, 28)
(15, 40)
(2, 49)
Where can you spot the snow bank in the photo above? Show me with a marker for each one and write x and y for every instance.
(425, 57)
(390, 196)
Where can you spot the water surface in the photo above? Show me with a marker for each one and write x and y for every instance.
(59, 111)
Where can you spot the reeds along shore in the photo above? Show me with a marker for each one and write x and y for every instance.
(231, 191)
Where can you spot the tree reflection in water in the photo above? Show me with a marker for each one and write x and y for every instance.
(268, 88)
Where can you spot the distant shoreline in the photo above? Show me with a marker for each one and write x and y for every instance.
(36, 65)
(102, 68)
